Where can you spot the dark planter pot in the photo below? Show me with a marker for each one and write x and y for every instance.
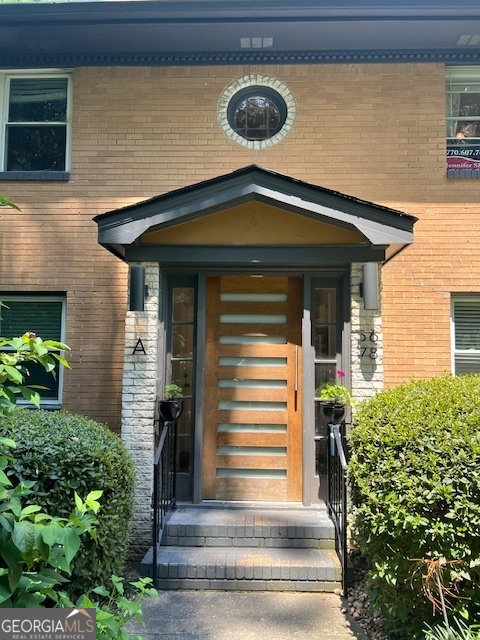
(334, 412)
(170, 410)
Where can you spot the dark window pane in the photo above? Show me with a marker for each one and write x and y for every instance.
(183, 304)
(182, 375)
(19, 316)
(38, 376)
(180, 371)
(467, 324)
(466, 130)
(321, 422)
(36, 148)
(183, 424)
(182, 341)
(258, 117)
(325, 341)
(321, 457)
(467, 363)
(38, 100)
(325, 308)
(468, 104)
(183, 454)
(325, 372)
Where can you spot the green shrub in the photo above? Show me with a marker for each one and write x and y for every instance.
(457, 631)
(415, 488)
(36, 554)
(113, 609)
(62, 454)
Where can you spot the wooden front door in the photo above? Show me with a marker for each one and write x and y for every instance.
(253, 389)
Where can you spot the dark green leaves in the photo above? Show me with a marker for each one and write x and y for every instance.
(23, 350)
(415, 487)
(62, 455)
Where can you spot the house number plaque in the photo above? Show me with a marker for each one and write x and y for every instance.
(139, 348)
(367, 344)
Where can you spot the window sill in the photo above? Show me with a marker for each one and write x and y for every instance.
(45, 406)
(455, 175)
(35, 175)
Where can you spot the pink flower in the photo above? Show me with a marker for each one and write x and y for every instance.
(341, 374)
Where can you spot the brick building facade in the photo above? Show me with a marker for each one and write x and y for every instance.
(366, 131)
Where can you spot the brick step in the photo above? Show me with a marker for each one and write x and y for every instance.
(246, 527)
(258, 569)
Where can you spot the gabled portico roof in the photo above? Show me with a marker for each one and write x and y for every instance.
(381, 227)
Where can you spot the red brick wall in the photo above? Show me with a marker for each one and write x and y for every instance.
(374, 131)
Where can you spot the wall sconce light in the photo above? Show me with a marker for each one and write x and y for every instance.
(138, 288)
(369, 287)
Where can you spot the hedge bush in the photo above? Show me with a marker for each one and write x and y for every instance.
(63, 453)
(415, 490)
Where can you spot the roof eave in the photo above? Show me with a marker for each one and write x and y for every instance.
(379, 225)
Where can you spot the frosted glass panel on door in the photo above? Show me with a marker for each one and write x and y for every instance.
(253, 297)
(252, 362)
(253, 340)
(251, 318)
(251, 451)
(229, 427)
(252, 384)
(231, 405)
(251, 473)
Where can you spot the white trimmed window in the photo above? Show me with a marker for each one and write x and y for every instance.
(35, 123)
(466, 334)
(463, 119)
(45, 316)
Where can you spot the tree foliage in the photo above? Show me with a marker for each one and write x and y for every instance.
(14, 370)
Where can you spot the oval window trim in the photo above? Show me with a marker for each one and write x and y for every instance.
(250, 86)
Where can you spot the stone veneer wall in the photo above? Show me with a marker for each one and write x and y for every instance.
(366, 342)
(138, 405)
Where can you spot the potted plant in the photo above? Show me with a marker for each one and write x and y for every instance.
(335, 399)
(170, 406)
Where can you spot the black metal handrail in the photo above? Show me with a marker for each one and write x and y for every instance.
(337, 493)
(164, 478)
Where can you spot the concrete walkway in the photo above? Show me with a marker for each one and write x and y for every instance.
(216, 615)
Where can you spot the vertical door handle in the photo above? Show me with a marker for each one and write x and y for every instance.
(296, 368)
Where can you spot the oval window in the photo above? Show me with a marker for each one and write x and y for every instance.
(257, 113)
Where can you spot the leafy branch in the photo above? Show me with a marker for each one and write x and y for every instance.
(28, 348)
(6, 202)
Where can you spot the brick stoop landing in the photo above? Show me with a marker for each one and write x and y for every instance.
(247, 548)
